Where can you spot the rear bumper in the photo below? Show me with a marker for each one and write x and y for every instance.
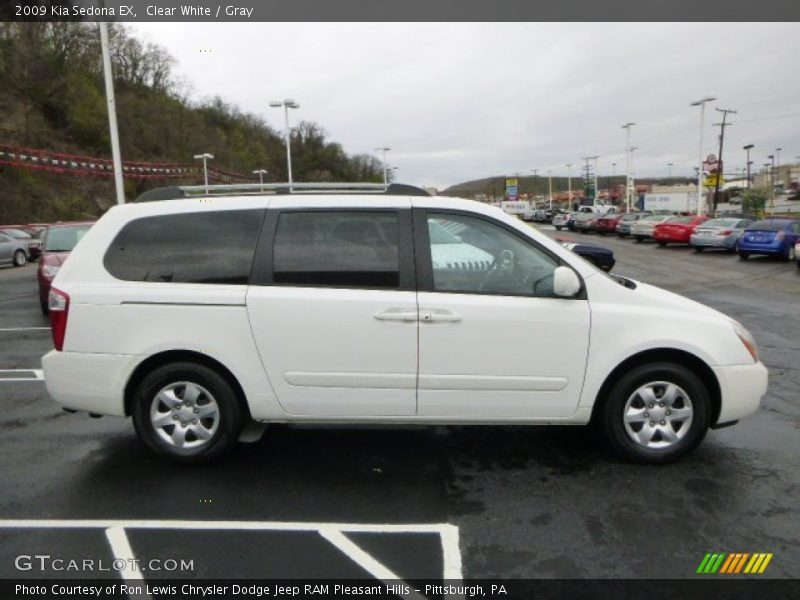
(91, 382)
(742, 387)
(709, 241)
(752, 248)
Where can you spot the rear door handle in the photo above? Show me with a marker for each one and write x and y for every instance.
(439, 316)
(398, 314)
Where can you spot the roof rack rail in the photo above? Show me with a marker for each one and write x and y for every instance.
(257, 189)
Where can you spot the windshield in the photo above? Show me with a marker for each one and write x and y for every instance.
(652, 218)
(768, 226)
(64, 239)
(16, 233)
(721, 223)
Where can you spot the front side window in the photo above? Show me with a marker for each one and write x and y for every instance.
(478, 256)
(213, 247)
(337, 249)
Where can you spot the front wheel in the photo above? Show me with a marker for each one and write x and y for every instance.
(698, 248)
(20, 260)
(639, 239)
(662, 244)
(744, 255)
(186, 411)
(656, 413)
(558, 227)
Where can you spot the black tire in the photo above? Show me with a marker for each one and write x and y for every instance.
(558, 227)
(228, 411)
(662, 244)
(612, 411)
(639, 239)
(698, 248)
(43, 306)
(743, 255)
(20, 258)
(622, 235)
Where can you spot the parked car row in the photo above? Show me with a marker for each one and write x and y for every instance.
(743, 235)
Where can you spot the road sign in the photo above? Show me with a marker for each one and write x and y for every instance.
(711, 180)
(512, 189)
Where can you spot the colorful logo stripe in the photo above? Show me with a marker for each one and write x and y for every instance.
(734, 563)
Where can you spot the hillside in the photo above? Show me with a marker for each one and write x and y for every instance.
(52, 98)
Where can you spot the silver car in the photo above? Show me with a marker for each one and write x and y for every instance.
(719, 233)
(643, 228)
(13, 252)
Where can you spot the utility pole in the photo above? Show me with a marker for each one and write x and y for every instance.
(749, 162)
(669, 170)
(384, 150)
(778, 164)
(722, 125)
(596, 191)
(550, 188)
(112, 113)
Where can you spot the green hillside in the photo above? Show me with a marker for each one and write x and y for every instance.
(52, 97)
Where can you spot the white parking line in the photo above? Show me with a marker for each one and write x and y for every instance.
(332, 532)
(122, 550)
(36, 375)
(2, 329)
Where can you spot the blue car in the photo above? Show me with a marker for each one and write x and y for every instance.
(775, 237)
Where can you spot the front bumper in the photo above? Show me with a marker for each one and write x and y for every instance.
(91, 382)
(741, 387)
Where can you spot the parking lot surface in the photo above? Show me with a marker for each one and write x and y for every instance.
(518, 502)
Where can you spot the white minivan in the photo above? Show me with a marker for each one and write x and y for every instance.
(356, 303)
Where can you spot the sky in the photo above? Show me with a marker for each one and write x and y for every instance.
(463, 101)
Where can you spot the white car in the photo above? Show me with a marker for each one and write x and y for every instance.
(643, 228)
(199, 315)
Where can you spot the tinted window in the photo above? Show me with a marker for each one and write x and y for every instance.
(200, 247)
(488, 259)
(768, 226)
(337, 248)
(64, 239)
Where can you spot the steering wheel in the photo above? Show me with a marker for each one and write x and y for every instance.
(502, 275)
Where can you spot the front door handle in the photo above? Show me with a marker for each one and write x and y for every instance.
(398, 314)
(438, 316)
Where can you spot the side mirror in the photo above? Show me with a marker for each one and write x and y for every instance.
(565, 282)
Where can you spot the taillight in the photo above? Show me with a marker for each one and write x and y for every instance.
(58, 305)
(725, 232)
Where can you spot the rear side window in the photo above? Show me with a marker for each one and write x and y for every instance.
(215, 247)
(338, 249)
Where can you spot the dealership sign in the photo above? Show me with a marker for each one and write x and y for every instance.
(512, 189)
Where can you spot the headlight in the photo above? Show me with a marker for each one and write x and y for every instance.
(50, 271)
(746, 339)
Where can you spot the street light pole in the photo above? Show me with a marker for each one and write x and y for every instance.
(702, 104)
(550, 188)
(627, 128)
(112, 113)
(205, 157)
(747, 149)
(287, 104)
(384, 150)
(569, 185)
(669, 170)
(260, 173)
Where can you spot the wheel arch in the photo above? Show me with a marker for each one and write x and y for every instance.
(681, 357)
(171, 356)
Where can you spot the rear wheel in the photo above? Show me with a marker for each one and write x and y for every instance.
(186, 411)
(656, 413)
(744, 255)
(43, 306)
(639, 239)
(698, 248)
(20, 260)
(558, 227)
(662, 244)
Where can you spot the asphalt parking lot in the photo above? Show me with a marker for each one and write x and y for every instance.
(507, 502)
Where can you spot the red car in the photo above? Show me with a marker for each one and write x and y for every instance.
(677, 230)
(608, 223)
(58, 242)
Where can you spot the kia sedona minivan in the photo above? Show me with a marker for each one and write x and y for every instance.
(357, 303)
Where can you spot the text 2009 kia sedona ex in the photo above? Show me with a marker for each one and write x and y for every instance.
(365, 304)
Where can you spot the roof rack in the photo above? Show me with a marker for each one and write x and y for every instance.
(258, 189)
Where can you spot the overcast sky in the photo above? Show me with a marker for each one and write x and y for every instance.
(464, 101)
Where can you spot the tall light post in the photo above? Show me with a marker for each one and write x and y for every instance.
(596, 189)
(778, 164)
(112, 113)
(205, 158)
(287, 104)
(384, 150)
(702, 104)
(569, 185)
(669, 170)
(627, 128)
(550, 188)
(633, 175)
(260, 173)
(749, 162)
(392, 173)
